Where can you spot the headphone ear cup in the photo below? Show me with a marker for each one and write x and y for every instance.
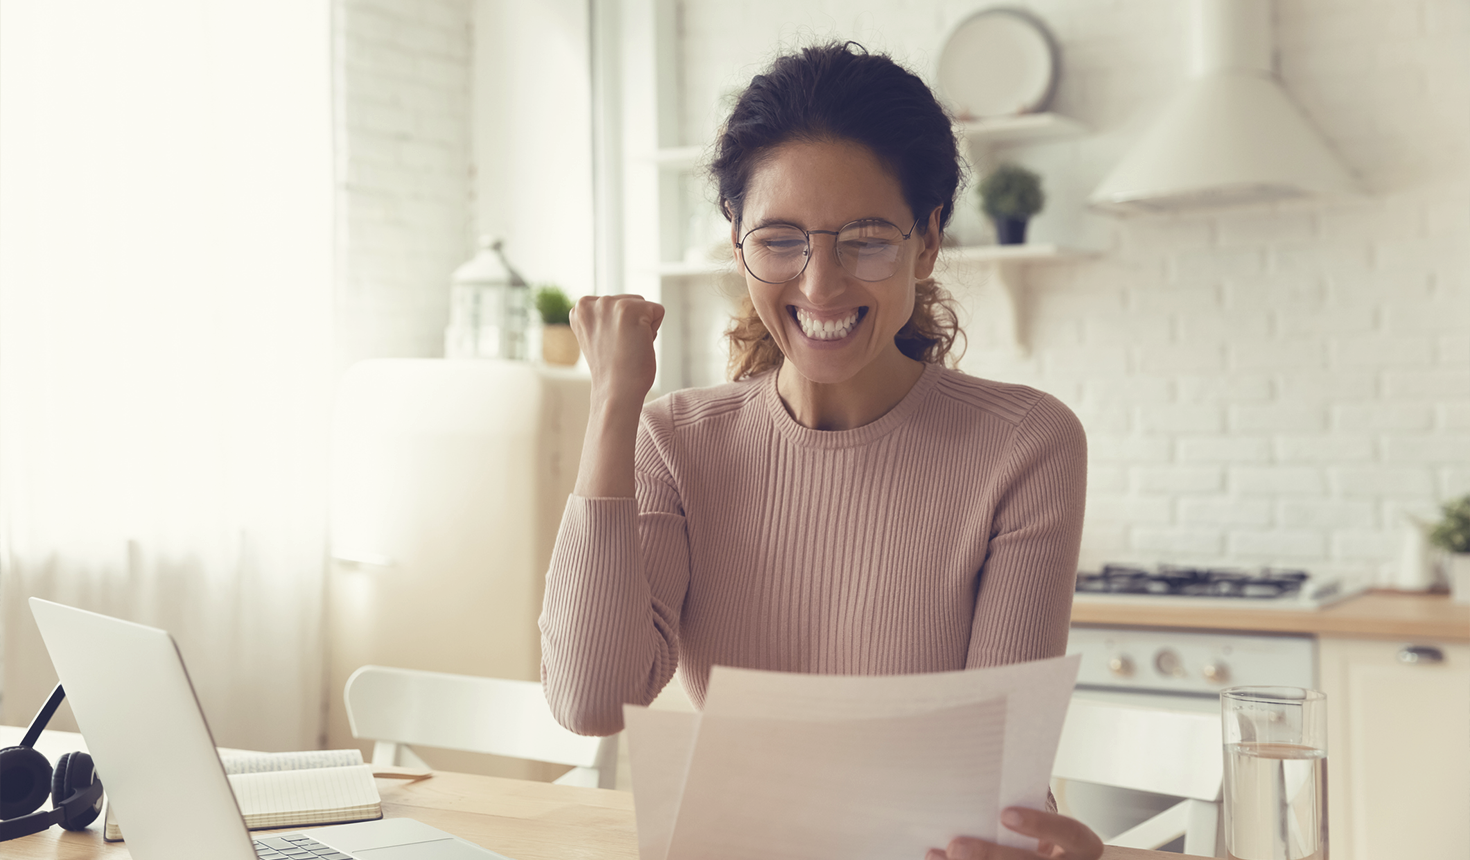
(75, 773)
(24, 777)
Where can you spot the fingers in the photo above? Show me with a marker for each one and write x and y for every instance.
(969, 848)
(1070, 839)
(1061, 838)
(617, 335)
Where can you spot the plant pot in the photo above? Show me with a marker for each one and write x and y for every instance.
(559, 345)
(1010, 231)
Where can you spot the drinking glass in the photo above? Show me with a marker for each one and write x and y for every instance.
(1275, 773)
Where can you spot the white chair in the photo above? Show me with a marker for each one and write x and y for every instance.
(399, 707)
(1160, 750)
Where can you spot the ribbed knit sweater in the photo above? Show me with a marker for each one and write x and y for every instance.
(942, 536)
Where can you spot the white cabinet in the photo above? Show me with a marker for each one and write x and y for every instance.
(1398, 738)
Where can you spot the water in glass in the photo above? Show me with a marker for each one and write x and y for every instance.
(1275, 802)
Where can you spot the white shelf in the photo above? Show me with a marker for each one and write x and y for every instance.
(678, 157)
(1027, 253)
(679, 268)
(1022, 129)
(1008, 264)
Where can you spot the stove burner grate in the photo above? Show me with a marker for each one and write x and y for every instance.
(1263, 584)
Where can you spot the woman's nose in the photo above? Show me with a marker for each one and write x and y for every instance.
(824, 277)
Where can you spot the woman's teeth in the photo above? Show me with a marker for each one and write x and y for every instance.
(826, 329)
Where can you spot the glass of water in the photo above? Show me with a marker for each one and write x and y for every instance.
(1275, 773)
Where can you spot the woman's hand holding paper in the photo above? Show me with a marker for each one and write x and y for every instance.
(1062, 838)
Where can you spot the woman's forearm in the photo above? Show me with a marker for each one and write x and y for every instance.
(606, 469)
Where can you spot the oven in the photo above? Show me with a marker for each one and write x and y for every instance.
(1182, 669)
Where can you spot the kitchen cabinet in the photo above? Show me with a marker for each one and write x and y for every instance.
(1398, 734)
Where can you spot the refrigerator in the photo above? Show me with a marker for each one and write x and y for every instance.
(448, 481)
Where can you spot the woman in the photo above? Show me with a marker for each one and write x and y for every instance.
(847, 504)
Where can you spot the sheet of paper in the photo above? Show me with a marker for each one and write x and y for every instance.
(888, 787)
(783, 764)
(661, 742)
(1037, 695)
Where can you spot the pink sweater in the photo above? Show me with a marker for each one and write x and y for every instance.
(942, 536)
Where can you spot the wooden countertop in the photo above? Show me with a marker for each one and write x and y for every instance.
(1374, 614)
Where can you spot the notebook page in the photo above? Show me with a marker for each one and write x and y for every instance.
(296, 760)
(305, 794)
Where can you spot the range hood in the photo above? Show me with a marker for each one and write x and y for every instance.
(1233, 136)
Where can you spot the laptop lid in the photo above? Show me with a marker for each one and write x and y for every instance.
(136, 707)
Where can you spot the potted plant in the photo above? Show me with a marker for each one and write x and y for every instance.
(1452, 535)
(1010, 195)
(558, 343)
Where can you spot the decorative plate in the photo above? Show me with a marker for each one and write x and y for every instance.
(998, 62)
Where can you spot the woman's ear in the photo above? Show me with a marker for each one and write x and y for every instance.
(929, 254)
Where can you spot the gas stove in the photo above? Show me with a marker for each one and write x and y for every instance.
(1167, 584)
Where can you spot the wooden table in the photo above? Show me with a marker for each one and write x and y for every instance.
(520, 819)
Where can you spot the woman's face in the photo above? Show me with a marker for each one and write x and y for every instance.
(829, 324)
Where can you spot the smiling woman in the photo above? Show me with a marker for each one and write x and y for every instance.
(846, 504)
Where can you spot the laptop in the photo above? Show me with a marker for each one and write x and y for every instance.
(136, 708)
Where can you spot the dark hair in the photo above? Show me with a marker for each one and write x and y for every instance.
(839, 92)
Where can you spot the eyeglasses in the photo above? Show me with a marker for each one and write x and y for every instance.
(868, 250)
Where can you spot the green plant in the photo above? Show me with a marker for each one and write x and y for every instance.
(1011, 191)
(553, 305)
(1452, 533)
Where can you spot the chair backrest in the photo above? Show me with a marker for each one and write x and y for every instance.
(1154, 749)
(498, 716)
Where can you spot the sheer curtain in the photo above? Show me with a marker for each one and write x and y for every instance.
(166, 340)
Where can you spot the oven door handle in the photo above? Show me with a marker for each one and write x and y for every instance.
(1420, 654)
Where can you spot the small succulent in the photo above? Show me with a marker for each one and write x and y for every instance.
(553, 305)
(1011, 191)
(1452, 534)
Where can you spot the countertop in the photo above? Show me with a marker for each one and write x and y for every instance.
(1374, 614)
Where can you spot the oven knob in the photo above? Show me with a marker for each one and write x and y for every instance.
(1168, 663)
(1216, 673)
(1121, 665)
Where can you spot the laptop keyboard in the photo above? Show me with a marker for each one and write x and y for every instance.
(295, 846)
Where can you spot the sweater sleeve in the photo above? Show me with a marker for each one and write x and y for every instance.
(1024, 605)
(610, 617)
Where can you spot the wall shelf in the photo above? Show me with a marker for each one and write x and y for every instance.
(678, 157)
(680, 268)
(1027, 128)
(1041, 252)
(1008, 264)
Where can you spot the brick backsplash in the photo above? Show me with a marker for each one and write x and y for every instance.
(1271, 386)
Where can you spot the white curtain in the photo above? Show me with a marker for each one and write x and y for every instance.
(166, 340)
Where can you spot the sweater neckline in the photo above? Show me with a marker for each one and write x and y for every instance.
(887, 423)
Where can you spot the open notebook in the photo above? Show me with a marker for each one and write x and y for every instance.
(294, 789)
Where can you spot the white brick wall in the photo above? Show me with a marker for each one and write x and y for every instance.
(1265, 387)
(404, 206)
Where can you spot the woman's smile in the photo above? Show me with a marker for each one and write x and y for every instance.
(827, 328)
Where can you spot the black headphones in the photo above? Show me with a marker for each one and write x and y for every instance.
(76, 793)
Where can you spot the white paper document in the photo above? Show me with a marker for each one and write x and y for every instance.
(785, 765)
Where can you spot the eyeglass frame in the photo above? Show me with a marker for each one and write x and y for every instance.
(834, 234)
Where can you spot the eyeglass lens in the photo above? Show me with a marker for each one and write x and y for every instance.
(868, 250)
